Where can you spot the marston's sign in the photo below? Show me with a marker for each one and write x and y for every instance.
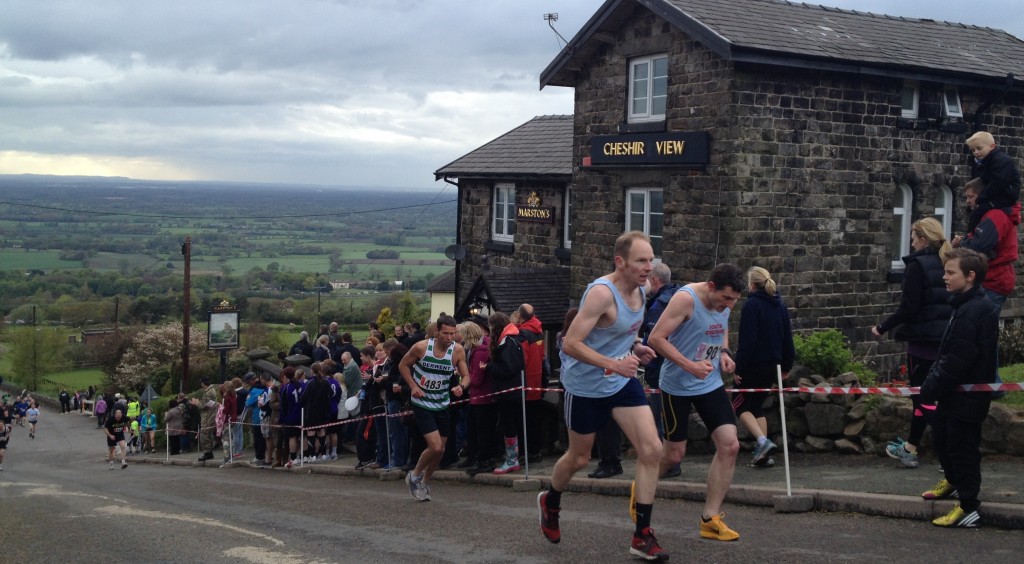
(533, 212)
(692, 149)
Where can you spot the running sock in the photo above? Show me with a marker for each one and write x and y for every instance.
(643, 516)
(553, 499)
(761, 440)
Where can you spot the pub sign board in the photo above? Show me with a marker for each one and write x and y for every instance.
(534, 212)
(688, 149)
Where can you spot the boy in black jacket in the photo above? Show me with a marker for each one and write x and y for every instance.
(967, 355)
(998, 173)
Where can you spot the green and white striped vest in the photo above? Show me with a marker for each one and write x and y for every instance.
(434, 375)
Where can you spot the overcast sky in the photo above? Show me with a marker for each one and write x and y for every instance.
(336, 92)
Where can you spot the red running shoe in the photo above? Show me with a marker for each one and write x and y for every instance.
(548, 519)
(646, 546)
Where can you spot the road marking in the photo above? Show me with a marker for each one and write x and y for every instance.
(55, 491)
(265, 556)
(132, 512)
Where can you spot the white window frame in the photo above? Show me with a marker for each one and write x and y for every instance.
(647, 213)
(944, 210)
(902, 212)
(956, 111)
(503, 213)
(639, 117)
(567, 220)
(911, 112)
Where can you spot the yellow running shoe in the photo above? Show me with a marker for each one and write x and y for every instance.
(959, 518)
(716, 529)
(942, 490)
(632, 501)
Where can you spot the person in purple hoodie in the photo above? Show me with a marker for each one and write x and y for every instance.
(291, 412)
(337, 394)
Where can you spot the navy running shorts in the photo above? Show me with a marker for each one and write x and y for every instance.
(589, 415)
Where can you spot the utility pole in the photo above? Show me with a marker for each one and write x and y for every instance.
(117, 309)
(186, 250)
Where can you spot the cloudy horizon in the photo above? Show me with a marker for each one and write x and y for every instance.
(307, 92)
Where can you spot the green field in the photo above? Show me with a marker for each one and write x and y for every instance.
(73, 380)
(295, 263)
(19, 259)
(115, 261)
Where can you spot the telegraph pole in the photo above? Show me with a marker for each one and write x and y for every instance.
(186, 250)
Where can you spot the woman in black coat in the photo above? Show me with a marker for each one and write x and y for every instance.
(919, 320)
(505, 369)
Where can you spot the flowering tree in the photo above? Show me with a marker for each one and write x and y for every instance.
(153, 348)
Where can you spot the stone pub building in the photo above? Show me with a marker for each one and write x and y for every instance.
(801, 138)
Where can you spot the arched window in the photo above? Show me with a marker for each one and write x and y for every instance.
(944, 210)
(899, 243)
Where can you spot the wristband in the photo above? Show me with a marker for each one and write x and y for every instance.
(725, 350)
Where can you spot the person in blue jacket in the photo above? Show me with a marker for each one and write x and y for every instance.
(765, 341)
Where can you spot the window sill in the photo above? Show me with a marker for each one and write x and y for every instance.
(945, 125)
(657, 126)
(500, 246)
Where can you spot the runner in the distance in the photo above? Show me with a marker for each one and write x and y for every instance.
(601, 353)
(115, 429)
(429, 369)
(5, 433)
(33, 418)
(693, 337)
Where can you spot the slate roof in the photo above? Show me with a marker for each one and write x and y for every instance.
(541, 147)
(443, 283)
(546, 289)
(805, 35)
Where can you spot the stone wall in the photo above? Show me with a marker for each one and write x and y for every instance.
(804, 174)
(853, 424)
(535, 245)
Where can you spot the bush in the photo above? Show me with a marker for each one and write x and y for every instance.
(828, 353)
(1011, 343)
(825, 352)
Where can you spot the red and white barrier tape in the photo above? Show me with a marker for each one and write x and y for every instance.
(831, 390)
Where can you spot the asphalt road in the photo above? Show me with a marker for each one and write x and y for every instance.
(60, 503)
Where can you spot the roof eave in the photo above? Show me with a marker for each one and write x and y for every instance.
(553, 73)
(560, 72)
(774, 58)
(549, 176)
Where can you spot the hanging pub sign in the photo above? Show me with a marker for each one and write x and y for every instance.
(533, 212)
(223, 327)
(689, 149)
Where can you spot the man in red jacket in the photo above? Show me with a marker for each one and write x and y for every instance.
(533, 354)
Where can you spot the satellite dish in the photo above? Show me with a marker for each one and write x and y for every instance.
(455, 252)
